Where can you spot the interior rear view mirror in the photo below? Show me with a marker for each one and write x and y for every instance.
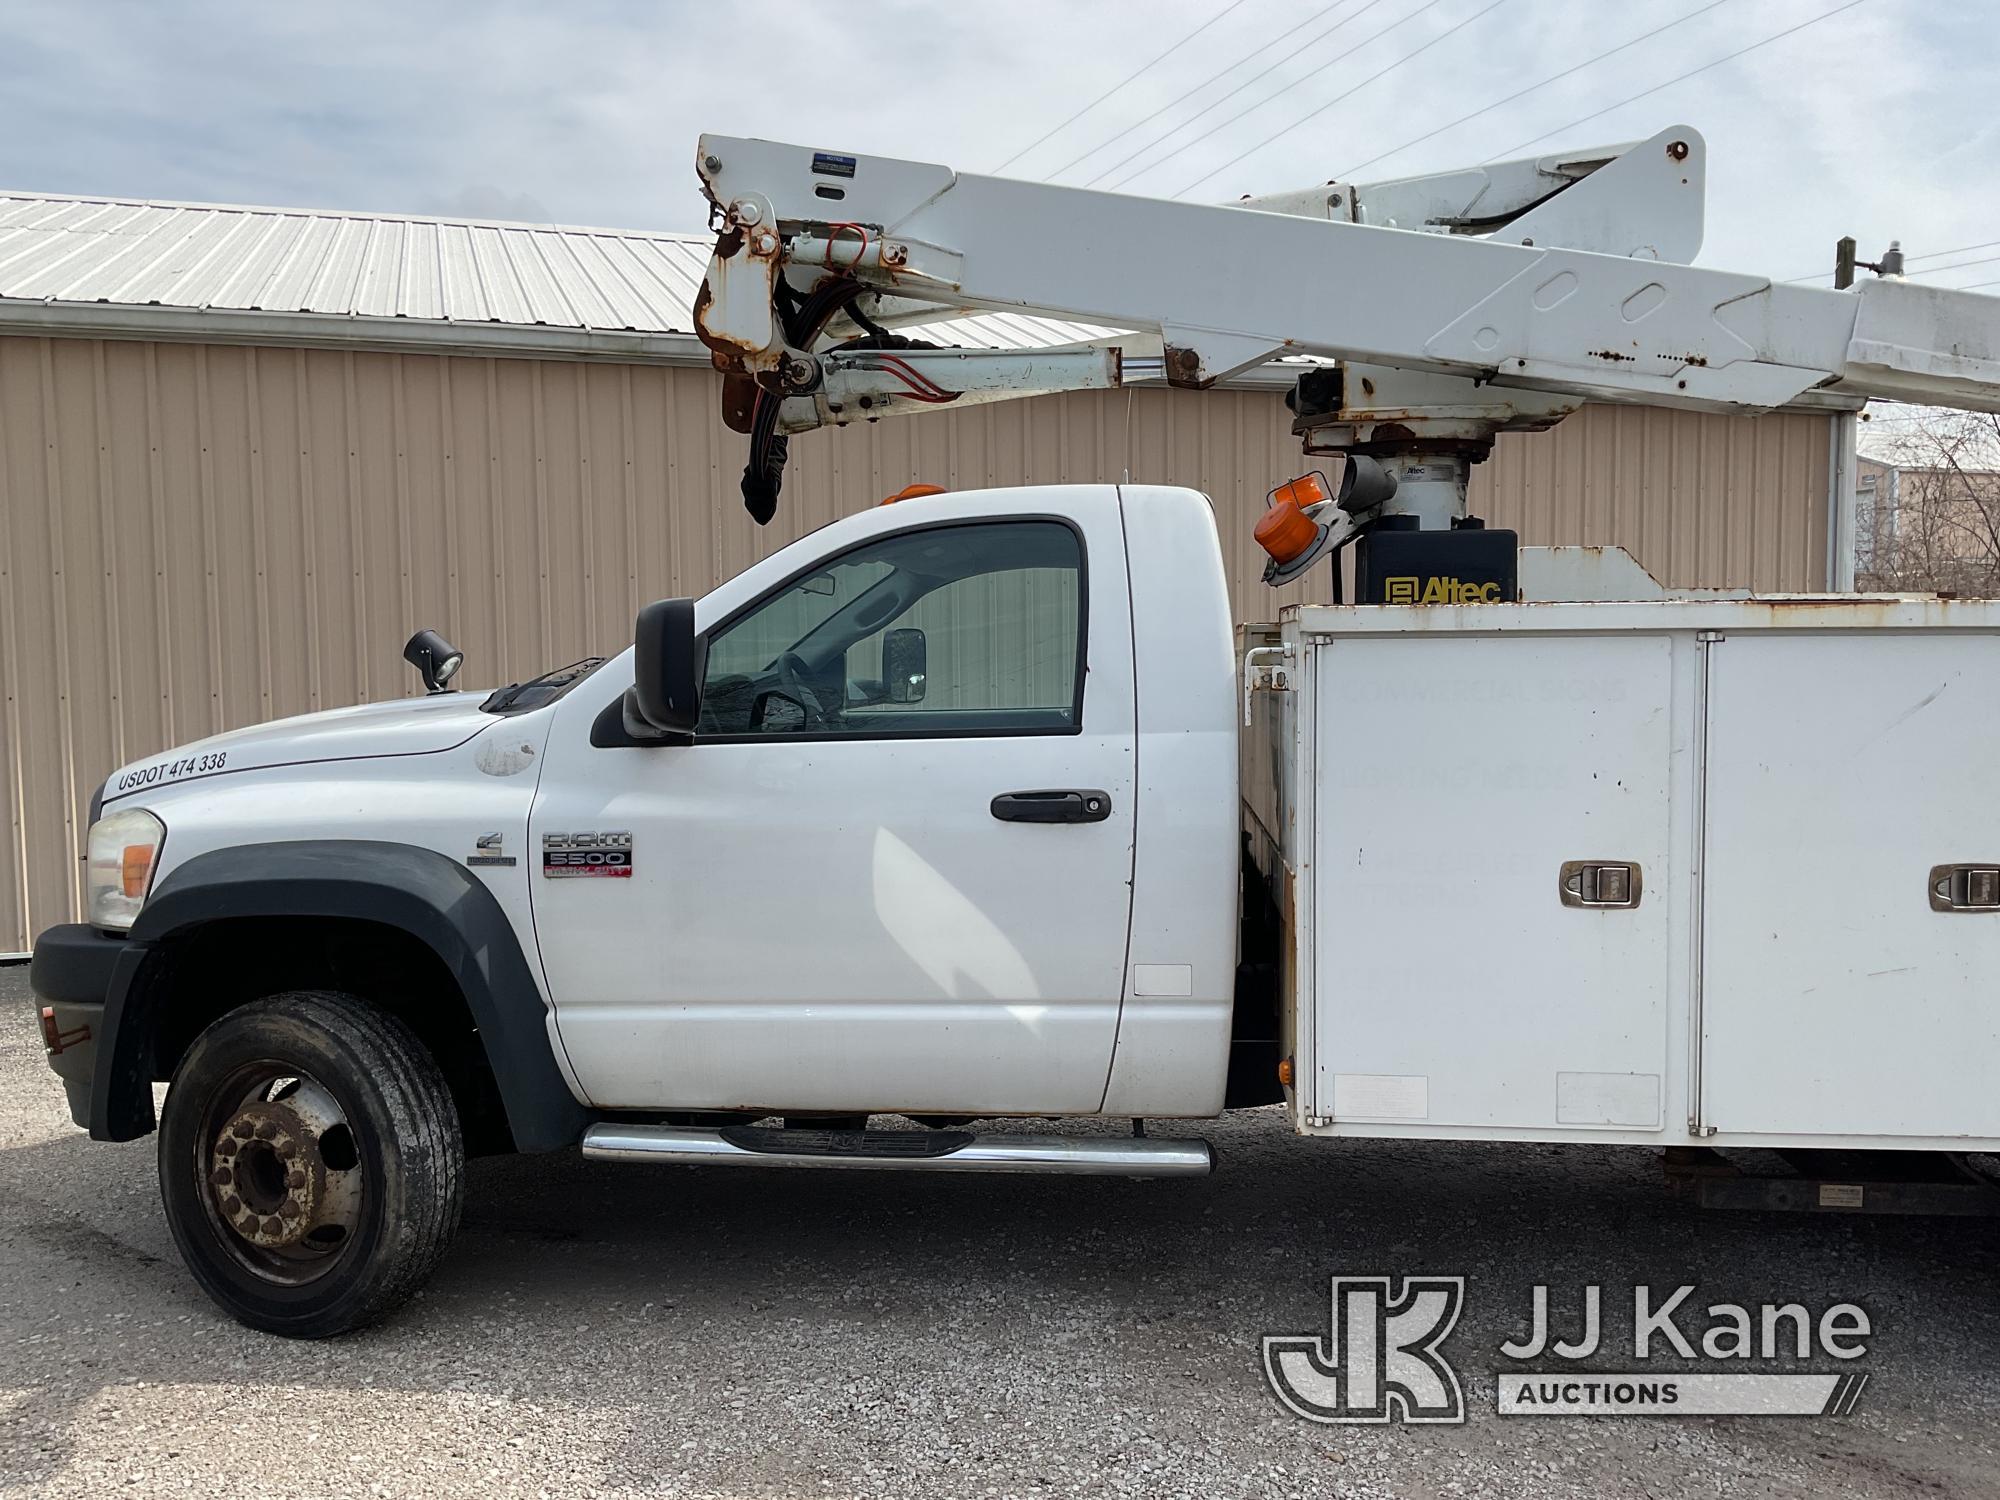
(904, 664)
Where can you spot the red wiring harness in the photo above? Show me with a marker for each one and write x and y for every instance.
(833, 235)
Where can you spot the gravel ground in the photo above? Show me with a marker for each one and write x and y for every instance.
(615, 1330)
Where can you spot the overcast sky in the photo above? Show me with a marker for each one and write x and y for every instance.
(1880, 120)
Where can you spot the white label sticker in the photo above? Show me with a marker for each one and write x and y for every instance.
(1380, 1096)
(1173, 981)
(1608, 1099)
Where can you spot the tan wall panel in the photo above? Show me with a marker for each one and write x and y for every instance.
(194, 537)
(1701, 501)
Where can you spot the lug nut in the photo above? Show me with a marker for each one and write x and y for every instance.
(267, 1130)
(222, 1177)
(295, 1179)
(232, 1205)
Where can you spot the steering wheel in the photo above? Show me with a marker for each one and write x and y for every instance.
(792, 684)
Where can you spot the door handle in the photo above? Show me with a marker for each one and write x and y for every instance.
(1079, 806)
(1606, 885)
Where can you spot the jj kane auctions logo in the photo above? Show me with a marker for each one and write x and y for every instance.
(1382, 1358)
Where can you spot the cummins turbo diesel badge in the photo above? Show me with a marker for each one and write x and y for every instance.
(607, 854)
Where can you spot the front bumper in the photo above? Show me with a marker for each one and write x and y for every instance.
(71, 976)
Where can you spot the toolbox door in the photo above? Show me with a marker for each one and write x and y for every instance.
(1493, 888)
(1842, 994)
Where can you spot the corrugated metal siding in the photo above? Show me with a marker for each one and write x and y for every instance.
(1702, 501)
(194, 537)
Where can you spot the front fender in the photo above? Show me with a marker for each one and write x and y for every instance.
(419, 891)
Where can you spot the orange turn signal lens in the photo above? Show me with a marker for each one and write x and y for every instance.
(912, 491)
(1285, 1072)
(135, 868)
(1285, 530)
(1307, 489)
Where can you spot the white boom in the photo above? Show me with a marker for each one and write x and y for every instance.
(1460, 305)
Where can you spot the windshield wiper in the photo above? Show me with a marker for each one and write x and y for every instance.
(550, 685)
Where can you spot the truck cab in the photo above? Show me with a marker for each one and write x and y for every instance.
(908, 861)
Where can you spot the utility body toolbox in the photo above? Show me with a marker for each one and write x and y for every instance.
(1720, 870)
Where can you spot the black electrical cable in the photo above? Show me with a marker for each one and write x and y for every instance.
(800, 319)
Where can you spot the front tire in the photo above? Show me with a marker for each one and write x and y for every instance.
(311, 1163)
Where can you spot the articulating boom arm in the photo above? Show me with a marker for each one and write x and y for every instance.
(1465, 328)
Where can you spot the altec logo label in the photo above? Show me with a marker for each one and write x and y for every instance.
(1438, 590)
(1383, 1361)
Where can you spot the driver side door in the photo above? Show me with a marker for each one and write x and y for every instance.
(832, 904)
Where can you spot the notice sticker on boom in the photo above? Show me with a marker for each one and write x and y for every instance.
(601, 855)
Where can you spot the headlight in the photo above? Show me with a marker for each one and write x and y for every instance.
(124, 850)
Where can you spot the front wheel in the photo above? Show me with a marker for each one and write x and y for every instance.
(310, 1163)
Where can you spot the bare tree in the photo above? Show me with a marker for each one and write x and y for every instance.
(1934, 527)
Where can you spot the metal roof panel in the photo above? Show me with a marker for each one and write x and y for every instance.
(227, 258)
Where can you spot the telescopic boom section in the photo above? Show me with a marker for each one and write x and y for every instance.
(1486, 331)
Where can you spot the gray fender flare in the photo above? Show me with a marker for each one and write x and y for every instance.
(419, 891)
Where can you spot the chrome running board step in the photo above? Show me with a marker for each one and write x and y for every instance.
(899, 1150)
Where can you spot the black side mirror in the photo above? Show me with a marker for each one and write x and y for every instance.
(905, 656)
(436, 659)
(667, 662)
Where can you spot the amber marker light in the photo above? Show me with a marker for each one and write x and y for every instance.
(912, 492)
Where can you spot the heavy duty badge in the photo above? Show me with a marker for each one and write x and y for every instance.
(602, 854)
(489, 849)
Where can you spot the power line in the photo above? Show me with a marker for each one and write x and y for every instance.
(1117, 86)
(1372, 78)
(1170, 133)
(1346, 174)
(1189, 93)
(1300, 51)
(1683, 78)
(1984, 260)
(1977, 285)
(1252, 108)
(1940, 254)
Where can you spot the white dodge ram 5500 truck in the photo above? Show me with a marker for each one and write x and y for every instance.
(937, 813)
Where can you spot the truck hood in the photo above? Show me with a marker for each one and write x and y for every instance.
(405, 726)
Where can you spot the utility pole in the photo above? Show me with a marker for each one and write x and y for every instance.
(1844, 263)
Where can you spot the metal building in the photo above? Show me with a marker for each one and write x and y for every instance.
(244, 452)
